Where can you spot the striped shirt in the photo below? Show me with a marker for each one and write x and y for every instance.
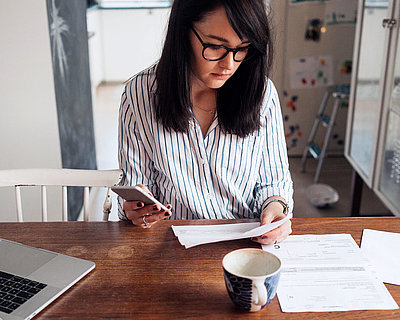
(219, 176)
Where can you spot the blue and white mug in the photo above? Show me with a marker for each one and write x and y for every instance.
(251, 277)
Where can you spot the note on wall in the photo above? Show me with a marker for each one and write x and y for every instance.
(341, 11)
(311, 72)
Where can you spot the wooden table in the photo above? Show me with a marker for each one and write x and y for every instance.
(147, 274)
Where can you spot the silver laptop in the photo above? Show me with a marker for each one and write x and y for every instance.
(31, 278)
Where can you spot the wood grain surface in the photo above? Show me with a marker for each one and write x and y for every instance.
(147, 274)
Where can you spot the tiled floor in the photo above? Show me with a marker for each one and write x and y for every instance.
(336, 171)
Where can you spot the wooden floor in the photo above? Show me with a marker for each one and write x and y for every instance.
(337, 173)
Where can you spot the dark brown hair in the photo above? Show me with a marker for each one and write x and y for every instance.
(239, 99)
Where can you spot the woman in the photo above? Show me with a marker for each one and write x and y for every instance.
(202, 130)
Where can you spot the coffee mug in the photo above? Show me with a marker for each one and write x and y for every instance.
(251, 277)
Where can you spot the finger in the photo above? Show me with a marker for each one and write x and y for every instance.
(269, 218)
(264, 240)
(274, 234)
(169, 207)
(133, 215)
(269, 241)
(149, 218)
(132, 205)
(281, 232)
(154, 209)
(160, 214)
(140, 210)
(155, 217)
(277, 235)
(140, 221)
(136, 216)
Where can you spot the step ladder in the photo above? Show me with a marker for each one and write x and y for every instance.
(338, 93)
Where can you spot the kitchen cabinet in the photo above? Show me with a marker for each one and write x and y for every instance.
(373, 126)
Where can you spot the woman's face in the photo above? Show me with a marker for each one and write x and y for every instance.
(214, 28)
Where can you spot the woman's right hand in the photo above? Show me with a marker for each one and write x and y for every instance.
(143, 215)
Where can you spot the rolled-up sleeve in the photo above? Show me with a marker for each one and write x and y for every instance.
(133, 157)
(274, 177)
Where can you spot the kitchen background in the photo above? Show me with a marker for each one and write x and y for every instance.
(314, 50)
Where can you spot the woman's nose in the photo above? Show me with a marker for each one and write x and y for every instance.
(227, 62)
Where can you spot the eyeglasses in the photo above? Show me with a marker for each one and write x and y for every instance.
(214, 52)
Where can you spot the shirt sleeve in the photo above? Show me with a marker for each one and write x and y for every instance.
(133, 157)
(274, 177)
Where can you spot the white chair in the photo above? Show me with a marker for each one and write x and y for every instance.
(18, 178)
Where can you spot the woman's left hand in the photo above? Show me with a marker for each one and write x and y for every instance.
(273, 212)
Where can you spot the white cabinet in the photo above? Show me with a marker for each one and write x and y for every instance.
(95, 47)
(132, 40)
(373, 128)
(123, 42)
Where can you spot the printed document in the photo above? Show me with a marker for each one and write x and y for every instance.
(323, 273)
(193, 235)
(382, 250)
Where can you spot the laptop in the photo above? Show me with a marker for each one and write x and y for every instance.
(31, 278)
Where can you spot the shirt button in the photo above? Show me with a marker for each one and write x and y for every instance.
(209, 196)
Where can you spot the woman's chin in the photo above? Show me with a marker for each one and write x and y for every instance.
(216, 84)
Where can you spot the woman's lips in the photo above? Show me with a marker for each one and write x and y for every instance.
(221, 76)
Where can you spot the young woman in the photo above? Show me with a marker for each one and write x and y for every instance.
(202, 129)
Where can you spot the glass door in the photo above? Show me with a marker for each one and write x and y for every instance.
(366, 110)
(389, 182)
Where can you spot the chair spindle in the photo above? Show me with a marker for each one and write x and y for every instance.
(44, 203)
(64, 204)
(19, 204)
(86, 203)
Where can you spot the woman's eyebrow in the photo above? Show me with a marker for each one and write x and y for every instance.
(222, 39)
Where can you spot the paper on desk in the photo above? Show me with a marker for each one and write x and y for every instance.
(193, 235)
(382, 249)
(318, 250)
(336, 288)
(323, 273)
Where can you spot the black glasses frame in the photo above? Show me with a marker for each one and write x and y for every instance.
(208, 45)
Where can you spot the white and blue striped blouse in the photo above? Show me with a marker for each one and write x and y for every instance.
(221, 176)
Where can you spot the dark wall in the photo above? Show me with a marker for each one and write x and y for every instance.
(69, 48)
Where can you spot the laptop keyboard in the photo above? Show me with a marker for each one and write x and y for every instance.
(14, 291)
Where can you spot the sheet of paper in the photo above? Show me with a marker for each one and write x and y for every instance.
(318, 250)
(193, 235)
(327, 273)
(382, 250)
(339, 288)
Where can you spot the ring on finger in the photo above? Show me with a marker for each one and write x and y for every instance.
(146, 224)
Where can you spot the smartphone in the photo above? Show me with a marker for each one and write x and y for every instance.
(135, 193)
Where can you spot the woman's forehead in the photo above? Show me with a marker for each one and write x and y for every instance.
(215, 25)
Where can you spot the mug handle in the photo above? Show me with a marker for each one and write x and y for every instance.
(261, 297)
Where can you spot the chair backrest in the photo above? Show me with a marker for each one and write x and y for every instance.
(18, 178)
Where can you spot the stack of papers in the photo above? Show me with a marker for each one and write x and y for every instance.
(324, 273)
(194, 235)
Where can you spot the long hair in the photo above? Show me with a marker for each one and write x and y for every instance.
(239, 99)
